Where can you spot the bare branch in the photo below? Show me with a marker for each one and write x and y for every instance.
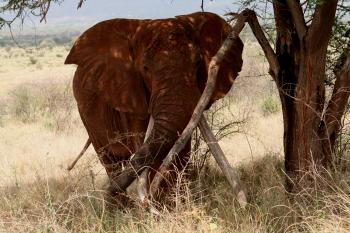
(80, 3)
(223, 163)
(44, 9)
(298, 17)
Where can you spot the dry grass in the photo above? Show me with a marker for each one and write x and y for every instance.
(71, 203)
(38, 141)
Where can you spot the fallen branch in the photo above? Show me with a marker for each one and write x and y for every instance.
(222, 161)
(87, 144)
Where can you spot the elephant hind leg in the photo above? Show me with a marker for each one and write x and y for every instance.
(113, 142)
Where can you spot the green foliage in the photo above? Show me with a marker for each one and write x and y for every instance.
(270, 105)
(338, 48)
(2, 22)
(23, 9)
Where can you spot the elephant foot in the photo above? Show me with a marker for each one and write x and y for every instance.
(117, 199)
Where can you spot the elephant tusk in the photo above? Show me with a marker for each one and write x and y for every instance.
(87, 144)
(143, 180)
(213, 70)
(223, 163)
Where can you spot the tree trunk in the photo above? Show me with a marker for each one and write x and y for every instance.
(301, 54)
(297, 66)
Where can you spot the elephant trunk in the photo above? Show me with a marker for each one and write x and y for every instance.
(170, 118)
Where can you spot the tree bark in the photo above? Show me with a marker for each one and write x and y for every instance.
(298, 67)
(301, 54)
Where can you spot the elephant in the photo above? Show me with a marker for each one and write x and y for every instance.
(132, 71)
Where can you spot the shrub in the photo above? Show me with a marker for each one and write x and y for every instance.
(33, 60)
(48, 43)
(22, 105)
(270, 105)
(50, 103)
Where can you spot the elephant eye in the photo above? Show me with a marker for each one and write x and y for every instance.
(198, 60)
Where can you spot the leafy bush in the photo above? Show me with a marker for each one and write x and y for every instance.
(270, 105)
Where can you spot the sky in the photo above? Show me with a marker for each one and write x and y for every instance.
(105, 9)
(67, 15)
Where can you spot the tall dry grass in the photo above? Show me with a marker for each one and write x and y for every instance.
(49, 102)
(72, 203)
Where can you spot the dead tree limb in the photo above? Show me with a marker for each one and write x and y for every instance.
(87, 144)
(264, 43)
(202, 103)
(222, 161)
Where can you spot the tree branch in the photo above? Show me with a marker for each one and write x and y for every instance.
(223, 163)
(321, 25)
(298, 17)
(80, 3)
(264, 43)
(339, 99)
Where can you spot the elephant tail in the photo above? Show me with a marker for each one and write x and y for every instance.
(87, 144)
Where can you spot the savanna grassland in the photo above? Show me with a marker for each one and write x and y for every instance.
(41, 133)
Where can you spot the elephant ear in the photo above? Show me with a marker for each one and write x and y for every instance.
(211, 31)
(103, 52)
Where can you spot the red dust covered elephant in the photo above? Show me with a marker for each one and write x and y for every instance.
(130, 71)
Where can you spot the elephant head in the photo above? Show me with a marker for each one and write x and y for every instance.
(151, 67)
